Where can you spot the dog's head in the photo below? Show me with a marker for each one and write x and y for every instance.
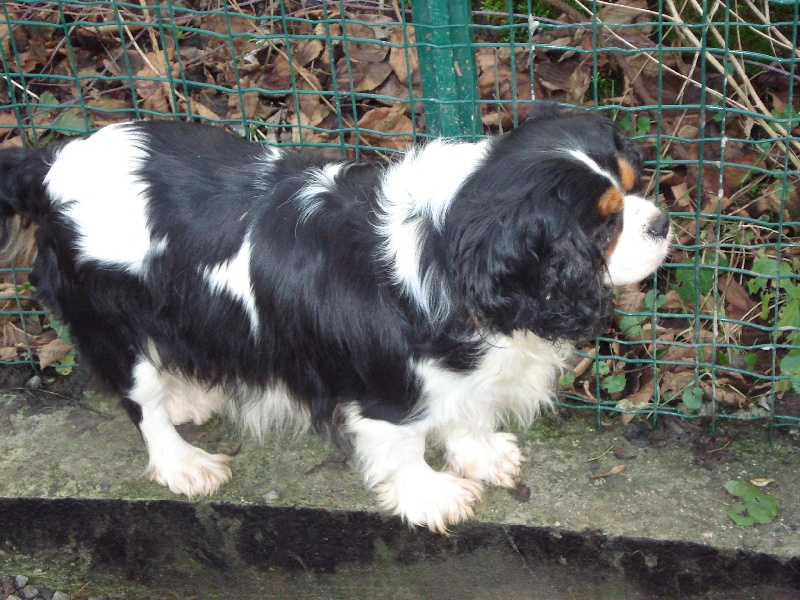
(549, 222)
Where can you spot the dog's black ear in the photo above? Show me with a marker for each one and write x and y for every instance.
(532, 270)
(544, 110)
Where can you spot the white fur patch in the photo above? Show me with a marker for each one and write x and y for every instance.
(93, 182)
(418, 191)
(392, 461)
(261, 411)
(266, 161)
(174, 463)
(321, 181)
(515, 378)
(189, 402)
(233, 277)
(492, 458)
(461, 411)
(589, 162)
(637, 254)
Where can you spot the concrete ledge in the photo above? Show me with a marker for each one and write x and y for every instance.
(74, 504)
(204, 549)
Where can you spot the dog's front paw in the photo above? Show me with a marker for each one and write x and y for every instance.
(494, 458)
(194, 473)
(429, 498)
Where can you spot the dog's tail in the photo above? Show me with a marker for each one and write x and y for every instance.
(23, 199)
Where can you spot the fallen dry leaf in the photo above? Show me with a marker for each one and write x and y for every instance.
(636, 400)
(361, 77)
(52, 353)
(612, 471)
(155, 94)
(387, 121)
(307, 50)
(367, 50)
(738, 304)
(624, 453)
(762, 482)
(8, 354)
(405, 61)
(520, 493)
(725, 394)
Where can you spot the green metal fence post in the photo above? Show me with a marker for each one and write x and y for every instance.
(447, 67)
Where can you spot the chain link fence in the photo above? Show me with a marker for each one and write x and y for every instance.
(711, 89)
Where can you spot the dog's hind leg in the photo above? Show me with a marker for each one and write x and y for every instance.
(392, 461)
(174, 463)
(189, 402)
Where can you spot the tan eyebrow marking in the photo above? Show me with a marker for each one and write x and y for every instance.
(610, 202)
(627, 174)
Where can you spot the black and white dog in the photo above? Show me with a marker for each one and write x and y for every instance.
(425, 300)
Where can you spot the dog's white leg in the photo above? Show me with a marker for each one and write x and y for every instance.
(392, 460)
(188, 402)
(174, 462)
(491, 457)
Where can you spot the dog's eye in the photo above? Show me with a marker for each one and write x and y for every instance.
(609, 230)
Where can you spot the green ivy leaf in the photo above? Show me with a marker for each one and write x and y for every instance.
(693, 398)
(756, 506)
(630, 325)
(60, 329)
(66, 365)
(769, 269)
(69, 124)
(653, 300)
(766, 300)
(789, 315)
(614, 383)
(790, 365)
(47, 99)
(690, 287)
(643, 125)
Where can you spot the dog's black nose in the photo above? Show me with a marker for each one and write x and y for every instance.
(659, 228)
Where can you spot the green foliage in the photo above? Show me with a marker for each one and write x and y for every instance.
(691, 283)
(756, 506)
(631, 324)
(60, 329)
(772, 276)
(68, 363)
(538, 8)
(767, 269)
(66, 123)
(789, 116)
(636, 128)
(692, 398)
(614, 383)
(790, 365)
(567, 379)
(611, 382)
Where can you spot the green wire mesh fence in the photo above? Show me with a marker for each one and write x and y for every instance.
(711, 89)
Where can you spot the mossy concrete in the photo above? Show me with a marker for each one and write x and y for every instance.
(72, 496)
